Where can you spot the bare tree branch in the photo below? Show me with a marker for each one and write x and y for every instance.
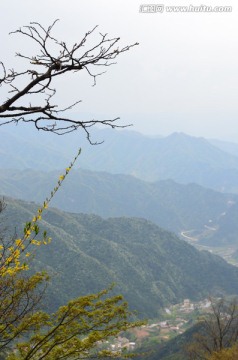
(218, 330)
(40, 74)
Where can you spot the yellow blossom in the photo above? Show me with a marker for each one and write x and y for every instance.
(25, 267)
(18, 242)
(10, 271)
(28, 233)
(16, 253)
(36, 242)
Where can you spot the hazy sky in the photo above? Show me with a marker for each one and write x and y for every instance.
(182, 77)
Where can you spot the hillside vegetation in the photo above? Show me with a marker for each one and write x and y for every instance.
(150, 266)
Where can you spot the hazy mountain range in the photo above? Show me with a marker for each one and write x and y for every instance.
(179, 157)
(173, 206)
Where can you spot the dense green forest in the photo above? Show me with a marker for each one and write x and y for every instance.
(150, 266)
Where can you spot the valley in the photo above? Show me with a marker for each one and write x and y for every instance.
(227, 252)
(118, 181)
(197, 238)
(174, 321)
(165, 244)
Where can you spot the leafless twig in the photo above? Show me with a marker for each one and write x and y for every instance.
(47, 65)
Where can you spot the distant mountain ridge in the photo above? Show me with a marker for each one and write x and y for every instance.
(173, 206)
(150, 266)
(180, 157)
(228, 147)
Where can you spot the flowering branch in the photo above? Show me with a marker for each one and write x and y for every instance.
(10, 256)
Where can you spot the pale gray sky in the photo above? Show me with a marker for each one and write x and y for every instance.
(182, 77)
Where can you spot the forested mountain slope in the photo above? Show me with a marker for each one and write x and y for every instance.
(150, 266)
